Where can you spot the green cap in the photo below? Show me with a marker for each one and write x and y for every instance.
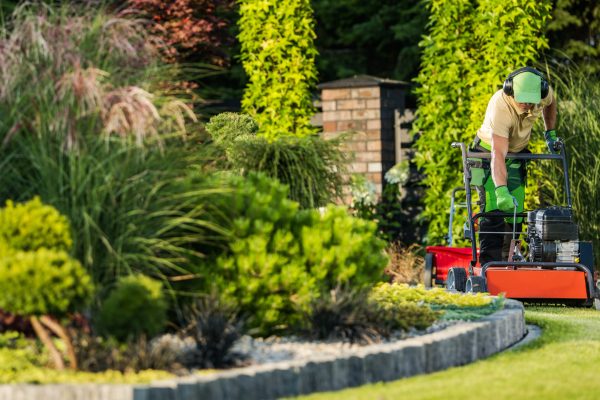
(527, 88)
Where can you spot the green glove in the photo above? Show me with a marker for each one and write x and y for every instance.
(504, 200)
(551, 141)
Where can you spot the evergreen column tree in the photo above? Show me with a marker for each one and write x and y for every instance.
(278, 55)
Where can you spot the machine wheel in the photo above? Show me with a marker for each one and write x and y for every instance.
(476, 284)
(457, 279)
(428, 275)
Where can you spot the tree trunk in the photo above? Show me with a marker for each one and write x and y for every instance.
(47, 341)
(61, 333)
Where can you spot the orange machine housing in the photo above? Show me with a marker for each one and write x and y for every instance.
(536, 283)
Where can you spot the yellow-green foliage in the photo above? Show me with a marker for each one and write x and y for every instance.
(22, 366)
(401, 292)
(278, 54)
(452, 305)
(467, 53)
(407, 315)
(279, 258)
(136, 306)
(33, 225)
(44, 281)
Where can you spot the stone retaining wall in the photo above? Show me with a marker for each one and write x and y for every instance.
(457, 345)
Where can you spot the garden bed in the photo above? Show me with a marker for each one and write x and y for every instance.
(458, 344)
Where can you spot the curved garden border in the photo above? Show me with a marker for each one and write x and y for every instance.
(457, 345)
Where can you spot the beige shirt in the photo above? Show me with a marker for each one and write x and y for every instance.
(503, 118)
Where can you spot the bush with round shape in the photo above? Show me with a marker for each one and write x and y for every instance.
(226, 127)
(33, 225)
(43, 282)
(135, 307)
(279, 259)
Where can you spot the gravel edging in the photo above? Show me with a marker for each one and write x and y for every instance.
(457, 345)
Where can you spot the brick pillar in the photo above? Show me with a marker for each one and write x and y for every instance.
(364, 106)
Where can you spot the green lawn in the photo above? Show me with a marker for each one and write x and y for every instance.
(563, 364)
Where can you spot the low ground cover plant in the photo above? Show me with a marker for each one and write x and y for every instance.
(451, 305)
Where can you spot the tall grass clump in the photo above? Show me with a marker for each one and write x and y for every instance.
(90, 125)
(579, 126)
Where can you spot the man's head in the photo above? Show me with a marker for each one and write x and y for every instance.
(527, 85)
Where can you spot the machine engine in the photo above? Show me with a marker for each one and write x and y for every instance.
(553, 236)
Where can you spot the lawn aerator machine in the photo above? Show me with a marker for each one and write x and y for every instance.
(557, 267)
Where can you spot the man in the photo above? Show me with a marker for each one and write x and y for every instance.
(509, 118)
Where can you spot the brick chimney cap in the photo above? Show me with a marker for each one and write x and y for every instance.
(362, 81)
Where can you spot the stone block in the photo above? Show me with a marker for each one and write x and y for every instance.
(374, 167)
(373, 124)
(329, 105)
(344, 115)
(373, 135)
(351, 126)
(358, 167)
(373, 103)
(374, 145)
(354, 104)
(335, 94)
(365, 93)
(365, 114)
(330, 126)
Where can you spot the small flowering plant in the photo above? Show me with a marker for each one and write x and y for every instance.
(387, 209)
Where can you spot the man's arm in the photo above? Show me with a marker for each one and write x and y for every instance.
(549, 113)
(499, 150)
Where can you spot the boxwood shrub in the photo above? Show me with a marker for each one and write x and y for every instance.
(33, 225)
(135, 307)
(44, 281)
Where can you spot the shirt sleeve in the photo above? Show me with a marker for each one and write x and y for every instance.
(546, 101)
(500, 118)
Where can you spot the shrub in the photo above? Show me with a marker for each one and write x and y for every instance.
(135, 307)
(406, 265)
(215, 328)
(346, 315)
(278, 55)
(43, 282)
(463, 64)
(452, 305)
(360, 316)
(97, 135)
(279, 259)
(312, 167)
(97, 354)
(388, 211)
(33, 225)
(227, 127)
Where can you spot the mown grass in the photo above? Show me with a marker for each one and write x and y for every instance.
(562, 364)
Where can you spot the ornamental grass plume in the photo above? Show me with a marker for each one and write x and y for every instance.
(68, 72)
